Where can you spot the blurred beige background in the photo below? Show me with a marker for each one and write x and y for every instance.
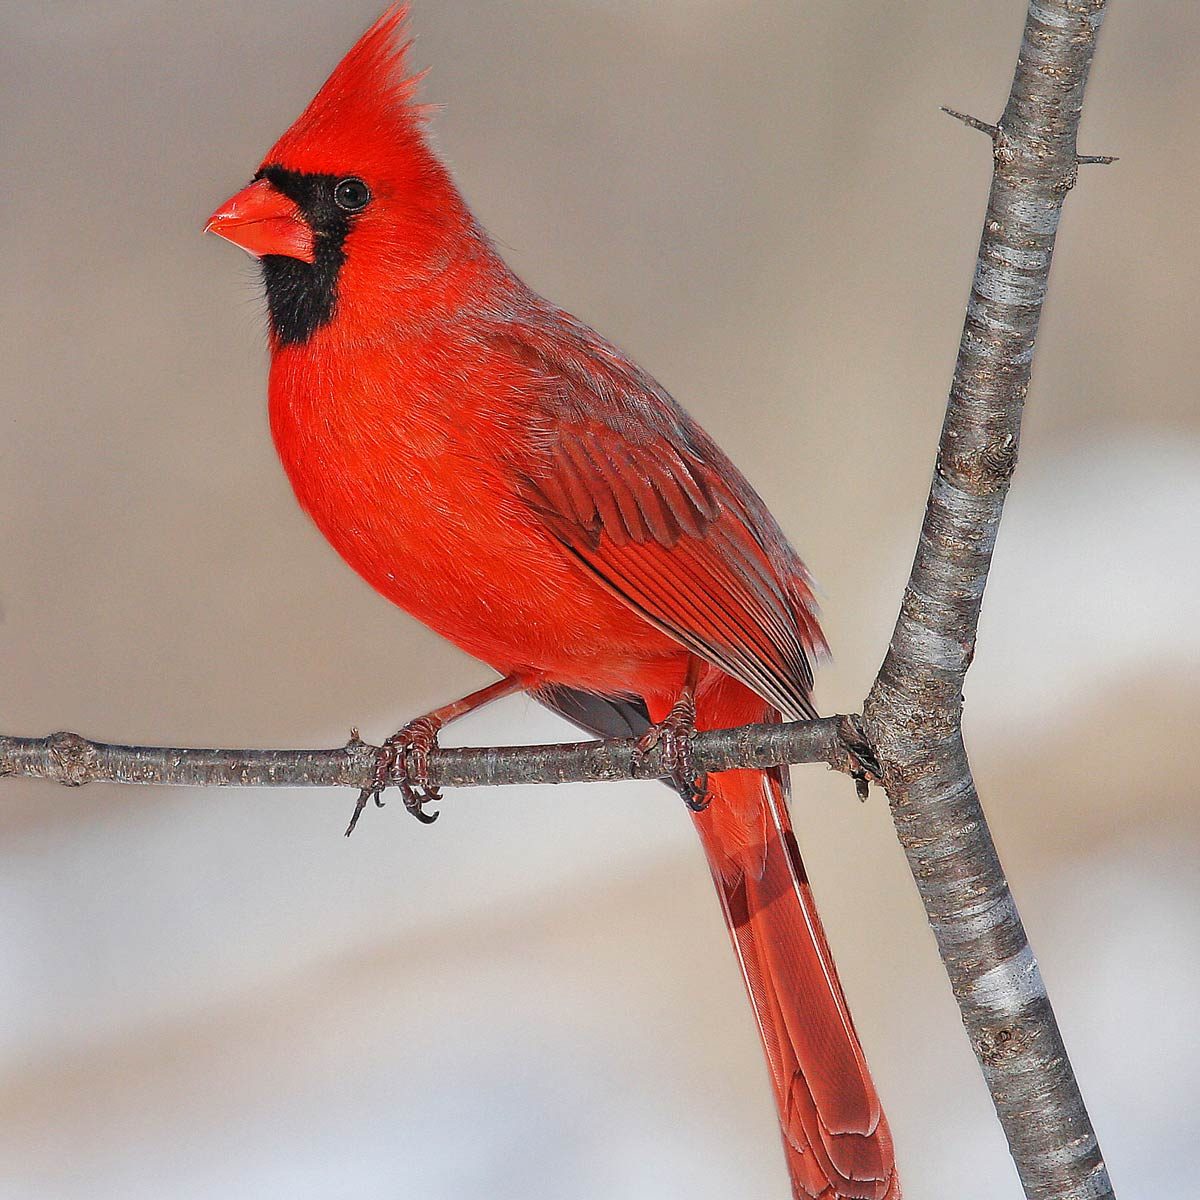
(214, 994)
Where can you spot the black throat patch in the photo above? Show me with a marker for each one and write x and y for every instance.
(302, 296)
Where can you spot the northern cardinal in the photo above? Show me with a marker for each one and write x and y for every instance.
(499, 470)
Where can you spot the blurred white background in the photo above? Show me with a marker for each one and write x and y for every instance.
(213, 993)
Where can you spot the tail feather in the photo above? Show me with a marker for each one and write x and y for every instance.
(835, 1135)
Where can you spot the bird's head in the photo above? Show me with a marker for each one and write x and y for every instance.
(350, 202)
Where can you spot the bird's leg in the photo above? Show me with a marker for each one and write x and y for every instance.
(403, 759)
(674, 733)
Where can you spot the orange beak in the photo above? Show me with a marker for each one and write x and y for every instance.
(262, 220)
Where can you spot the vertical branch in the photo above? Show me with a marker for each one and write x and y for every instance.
(913, 713)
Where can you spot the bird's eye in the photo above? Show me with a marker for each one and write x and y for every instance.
(351, 195)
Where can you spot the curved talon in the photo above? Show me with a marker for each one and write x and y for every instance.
(699, 799)
(693, 787)
(415, 802)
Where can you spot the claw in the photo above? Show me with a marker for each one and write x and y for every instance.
(403, 760)
(415, 802)
(675, 734)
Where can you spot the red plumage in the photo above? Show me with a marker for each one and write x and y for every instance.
(503, 473)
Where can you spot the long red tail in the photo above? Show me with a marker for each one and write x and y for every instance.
(835, 1135)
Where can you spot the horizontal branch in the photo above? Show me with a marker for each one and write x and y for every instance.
(70, 759)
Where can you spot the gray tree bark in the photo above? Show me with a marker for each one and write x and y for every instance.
(913, 713)
(70, 759)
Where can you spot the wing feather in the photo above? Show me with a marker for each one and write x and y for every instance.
(651, 507)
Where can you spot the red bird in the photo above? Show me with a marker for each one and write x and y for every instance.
(499, 470)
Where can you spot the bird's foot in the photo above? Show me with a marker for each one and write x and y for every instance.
(403, 761)
(674, 733)
(861, 764)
